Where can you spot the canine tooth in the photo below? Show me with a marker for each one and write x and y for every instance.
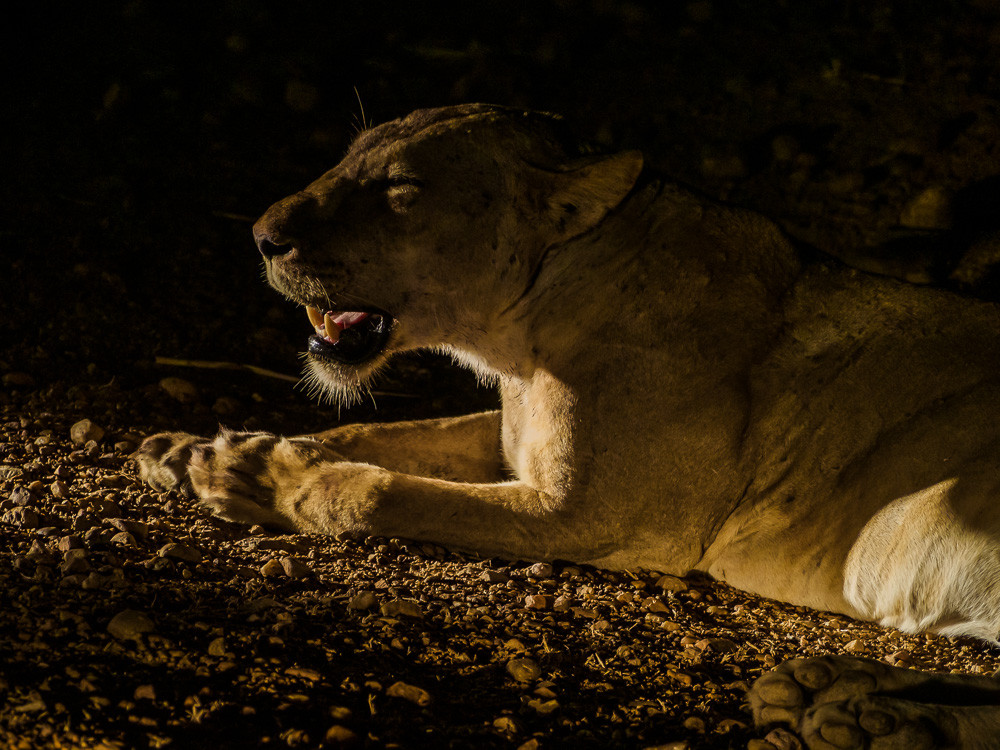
(331, 329)
(314, 316)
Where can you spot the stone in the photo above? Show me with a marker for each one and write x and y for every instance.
(74, 561)
(412, 693)
(401, 607)
(671, 584)
(537, 601)
(494, 576)
(130, 624)
(272, 569)
(138, 529)
(524, 669)
(340, 736)
(295, 568)
(180, 390)
(540, 570)
(178, 551)
(84, 431)
(364, 600)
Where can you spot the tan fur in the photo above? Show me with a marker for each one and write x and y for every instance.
(679, 390)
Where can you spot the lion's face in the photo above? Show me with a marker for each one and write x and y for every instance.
(427, 231)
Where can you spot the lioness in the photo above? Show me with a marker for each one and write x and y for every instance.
(681, 391)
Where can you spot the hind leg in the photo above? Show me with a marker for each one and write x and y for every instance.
(931, 561)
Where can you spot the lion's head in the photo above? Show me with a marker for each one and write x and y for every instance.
(429, 230)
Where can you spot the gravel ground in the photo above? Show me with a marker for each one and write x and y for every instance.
(146, 139)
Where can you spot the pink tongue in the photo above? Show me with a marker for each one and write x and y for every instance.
(348, 319)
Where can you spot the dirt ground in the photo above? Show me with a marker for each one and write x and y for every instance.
(144, 139)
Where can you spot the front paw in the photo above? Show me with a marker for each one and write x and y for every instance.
(163, 461)
(250, 477)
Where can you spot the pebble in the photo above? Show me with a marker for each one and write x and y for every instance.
(272, 569)
(411, 693)
(671, 584)
(84, 431)
(363, 601)
(506, 725)
(537, 601)
(136, 528)
(494, 576)
(294, 568)
(178, 551)
(74, 561)
(404, 607)
(26, 518)
(217, 647)
(180, 390)
(540, 570)
(524, 669)
(145, 692)
(59, 489)
(543, 708)
(717, 645)
(129, 624)
(304, 673)
(339, 735)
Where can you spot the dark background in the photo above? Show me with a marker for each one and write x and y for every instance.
(141, 141)
(144, 138)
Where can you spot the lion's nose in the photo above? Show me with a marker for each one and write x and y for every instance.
(267, 246)
(275, 232)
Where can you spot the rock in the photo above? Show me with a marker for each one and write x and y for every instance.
(304, 673)
(217, 647)
(543, 708)
(654, 604)
(272, 569)
(363, 601)
(59, 489)
(295, 568)
(494, 576)
(340, 736)
(524, 669)
(145, 693)
(84, 431)
(178, 551)
(136, 528)
(404, 607)
(717, 645)
(563, 603)
(537, 601)
(931, 209)
(180, 390)
(68, 542)
(411, 693)
(26, 518)
(74, 561)
(129, 624)
(540, 570)
(671, 584)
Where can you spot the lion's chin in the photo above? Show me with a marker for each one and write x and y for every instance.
(338, 383)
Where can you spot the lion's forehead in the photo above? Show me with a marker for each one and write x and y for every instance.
(465, 127)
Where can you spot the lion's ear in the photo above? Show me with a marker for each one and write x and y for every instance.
(581, 194)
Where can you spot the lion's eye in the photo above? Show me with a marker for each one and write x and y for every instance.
(402, 192)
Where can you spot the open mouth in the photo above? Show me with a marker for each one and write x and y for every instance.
(348, 337)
